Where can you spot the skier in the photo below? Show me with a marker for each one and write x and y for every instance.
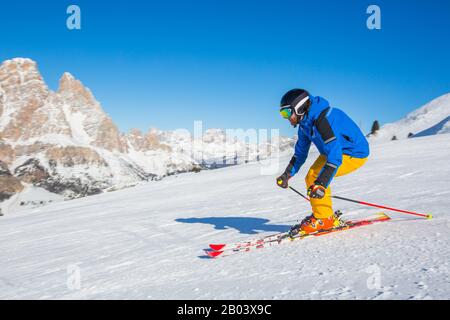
(343, 149)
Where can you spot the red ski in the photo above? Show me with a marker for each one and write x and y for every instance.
(222, 250)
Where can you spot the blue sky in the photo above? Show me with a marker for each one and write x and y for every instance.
(167, 63)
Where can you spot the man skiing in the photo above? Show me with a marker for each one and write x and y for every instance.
(343, 149)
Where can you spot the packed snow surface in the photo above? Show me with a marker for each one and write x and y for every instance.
(148, 241)
(30, 197)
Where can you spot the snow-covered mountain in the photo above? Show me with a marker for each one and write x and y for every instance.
(147, 242)
(65, 143)
(432, 118)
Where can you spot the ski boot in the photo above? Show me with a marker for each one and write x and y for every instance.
(312, 225)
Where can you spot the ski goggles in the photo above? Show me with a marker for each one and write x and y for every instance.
(286, 112)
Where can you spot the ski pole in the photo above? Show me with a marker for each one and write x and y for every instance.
(428, 216)
(299, 193)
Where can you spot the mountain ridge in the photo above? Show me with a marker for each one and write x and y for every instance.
(63, 140)
(418, 122)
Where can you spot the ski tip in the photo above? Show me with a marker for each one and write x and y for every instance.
(214, 254)
(429, 216)
(217, 247)
(383, 215)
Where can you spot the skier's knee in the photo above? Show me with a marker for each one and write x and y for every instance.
(310, 178)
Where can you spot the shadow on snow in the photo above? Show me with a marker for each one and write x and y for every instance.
(244, 225)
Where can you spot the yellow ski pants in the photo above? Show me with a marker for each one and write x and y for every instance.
(322, 208)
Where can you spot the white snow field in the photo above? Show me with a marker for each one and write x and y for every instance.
(147, 242)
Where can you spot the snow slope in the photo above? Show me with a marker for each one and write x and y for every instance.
(432, 118)
(441, 127)
(30, 197)
(147, 241)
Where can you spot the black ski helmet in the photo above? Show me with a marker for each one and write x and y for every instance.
(297, 99)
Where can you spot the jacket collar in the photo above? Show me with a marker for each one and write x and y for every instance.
(318, 104)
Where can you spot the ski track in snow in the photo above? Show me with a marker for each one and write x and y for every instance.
(146, 242)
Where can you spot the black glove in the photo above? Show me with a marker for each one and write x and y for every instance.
(316, 191)
(282, 181)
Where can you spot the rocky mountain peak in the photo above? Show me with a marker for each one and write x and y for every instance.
(71, 87)
(20, 65)
(22, 92)
(20, 72)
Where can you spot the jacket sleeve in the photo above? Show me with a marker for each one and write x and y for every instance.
(301, 153)
(332, 149)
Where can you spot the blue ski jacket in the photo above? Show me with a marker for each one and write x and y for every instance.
(334, 133)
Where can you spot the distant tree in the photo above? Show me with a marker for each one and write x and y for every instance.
(375, 127)
(394, 138)
(410, 135)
